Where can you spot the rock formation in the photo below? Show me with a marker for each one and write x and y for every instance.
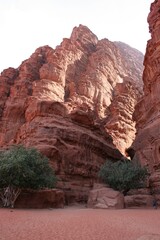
(104, 197)
(50, 198)
(74, 103)
(147, 112)
(139, 198)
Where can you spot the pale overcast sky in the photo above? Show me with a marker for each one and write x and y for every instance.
(28, 24)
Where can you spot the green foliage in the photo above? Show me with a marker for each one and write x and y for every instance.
(25, 168)
(123, 175)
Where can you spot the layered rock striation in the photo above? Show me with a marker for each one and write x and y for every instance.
(74, 103)
(147, 112)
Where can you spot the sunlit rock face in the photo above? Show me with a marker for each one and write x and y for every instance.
(74, 103)
(147, 112)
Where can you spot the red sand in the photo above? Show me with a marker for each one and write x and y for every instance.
(78, 224)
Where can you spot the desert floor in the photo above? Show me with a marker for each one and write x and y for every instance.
(79, 224)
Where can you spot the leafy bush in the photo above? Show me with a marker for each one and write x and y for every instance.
(22, 168)
(123, 175)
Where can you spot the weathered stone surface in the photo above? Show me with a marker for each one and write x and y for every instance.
(52, 198)
(74, 103)
(154, 182)
(142, 197)
(147, 114)
(105, 198)
(138, 200)
(157, 198)
(76, 190)
(6, 81)
(140, 191)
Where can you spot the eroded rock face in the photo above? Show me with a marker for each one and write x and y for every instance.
(141, 198)
(154, 182)
(147, 114)
(52, 198)
(105, 198)
(74, 104)
(138, 201)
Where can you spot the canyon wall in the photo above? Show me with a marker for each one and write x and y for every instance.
(75, 104)
(147, 112)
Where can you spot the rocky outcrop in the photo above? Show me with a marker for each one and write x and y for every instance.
(154, 181)
(105, 198)
(52, 198)
(147, 114)
(138, 201)
(74, 103)
(139, 198)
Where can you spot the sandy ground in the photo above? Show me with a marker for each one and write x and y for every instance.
(78, 224)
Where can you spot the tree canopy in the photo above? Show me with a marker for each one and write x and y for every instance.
(123, 175)
(24, 168)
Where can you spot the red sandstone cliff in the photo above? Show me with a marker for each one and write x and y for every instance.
(147, 112)
(74, 103)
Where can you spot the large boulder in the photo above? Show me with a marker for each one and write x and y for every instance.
(138, 198)
(138, 201)
(105, 198)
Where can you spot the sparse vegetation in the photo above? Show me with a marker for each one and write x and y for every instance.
(123, 175)
(23, 168)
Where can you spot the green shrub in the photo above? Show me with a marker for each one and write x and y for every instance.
(22, 168)
(123, 175)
